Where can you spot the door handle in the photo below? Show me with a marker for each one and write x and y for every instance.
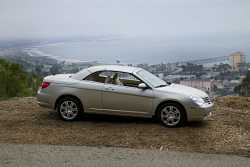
(109, 88)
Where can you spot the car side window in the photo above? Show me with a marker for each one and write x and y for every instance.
(100, 76)
(116, 78)
(126, 79)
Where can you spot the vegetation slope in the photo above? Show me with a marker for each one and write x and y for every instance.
(15, 82)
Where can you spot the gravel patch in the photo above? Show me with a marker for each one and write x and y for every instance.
(22, 121)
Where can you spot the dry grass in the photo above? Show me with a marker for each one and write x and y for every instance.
(227, 131)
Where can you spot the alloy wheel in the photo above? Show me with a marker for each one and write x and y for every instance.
(68, 110)
(170, 115)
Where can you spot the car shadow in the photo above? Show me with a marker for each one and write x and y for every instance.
(197, 124)
(102, 118)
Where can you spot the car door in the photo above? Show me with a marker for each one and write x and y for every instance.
(125, 98)
(91, 91)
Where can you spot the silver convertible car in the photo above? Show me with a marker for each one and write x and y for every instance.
(123, 90)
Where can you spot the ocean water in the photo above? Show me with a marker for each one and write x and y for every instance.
(136, 51)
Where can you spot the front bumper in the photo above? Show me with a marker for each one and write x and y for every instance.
(198, 113)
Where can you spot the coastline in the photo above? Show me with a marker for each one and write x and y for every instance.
(35, 52)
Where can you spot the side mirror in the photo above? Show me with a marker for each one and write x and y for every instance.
(142, 86)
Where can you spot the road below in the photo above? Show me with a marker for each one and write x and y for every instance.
(49, 155)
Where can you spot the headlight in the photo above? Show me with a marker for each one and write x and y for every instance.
(198, 100)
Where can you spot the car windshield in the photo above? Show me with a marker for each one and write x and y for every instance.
(152, 79)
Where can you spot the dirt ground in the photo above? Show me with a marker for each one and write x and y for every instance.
(22, 121)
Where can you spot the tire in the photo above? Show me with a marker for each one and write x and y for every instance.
(69, 108)
(171, 115)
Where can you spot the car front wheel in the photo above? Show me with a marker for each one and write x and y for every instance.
(171, 115)
(69, 108)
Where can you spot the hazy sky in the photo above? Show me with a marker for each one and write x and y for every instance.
(132, 18)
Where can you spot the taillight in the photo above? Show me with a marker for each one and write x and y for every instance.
(45, 85)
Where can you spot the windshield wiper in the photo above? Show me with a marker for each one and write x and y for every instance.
(163, 85)
(169, 83)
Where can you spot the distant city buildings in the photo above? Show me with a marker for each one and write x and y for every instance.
(178, 77)
(236, 59)
(208, 86)
(215, 76)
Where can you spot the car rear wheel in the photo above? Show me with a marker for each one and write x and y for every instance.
(69, 108)
(171, 115)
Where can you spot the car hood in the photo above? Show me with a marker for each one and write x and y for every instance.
(184, 90)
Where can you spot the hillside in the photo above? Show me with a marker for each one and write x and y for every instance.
(14, 81)
(227, 131)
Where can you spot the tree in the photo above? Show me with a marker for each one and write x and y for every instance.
(244, 88)
(55, 69)
(14, 81)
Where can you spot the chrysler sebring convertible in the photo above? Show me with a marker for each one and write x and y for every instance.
(125, 91)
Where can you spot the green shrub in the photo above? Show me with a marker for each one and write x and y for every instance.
(244, 88)
(14, 81)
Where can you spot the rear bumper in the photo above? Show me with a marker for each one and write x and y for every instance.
(197, 113)
(42, 104)
(44, 100)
